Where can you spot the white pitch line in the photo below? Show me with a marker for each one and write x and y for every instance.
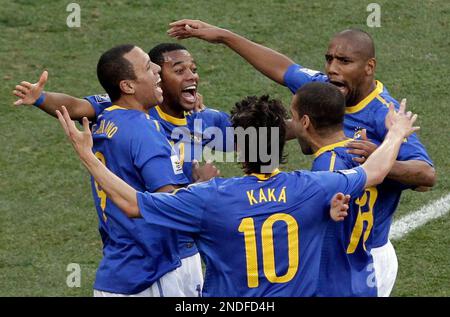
(410, 222)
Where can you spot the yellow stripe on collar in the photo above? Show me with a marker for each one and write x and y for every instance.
(330, 147)
(363, 103)
(264, 177)
(169, 118)
(112, 108)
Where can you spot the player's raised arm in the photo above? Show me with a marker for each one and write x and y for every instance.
(269, 62)
(122, 194)
(400, 125)
(33, 94)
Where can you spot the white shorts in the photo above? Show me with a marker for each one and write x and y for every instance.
(191, 275)
(386, 266)
(167, 286)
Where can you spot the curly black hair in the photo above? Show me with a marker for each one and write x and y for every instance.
(260, 112)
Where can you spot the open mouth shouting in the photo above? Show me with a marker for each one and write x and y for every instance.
(340, 85)
(189, 93)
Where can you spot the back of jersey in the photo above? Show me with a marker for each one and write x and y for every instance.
(135, 254)
(265, 236)
(346, 267)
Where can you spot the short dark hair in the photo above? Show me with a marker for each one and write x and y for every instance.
(156, 53)
(112, 68)
(260, 112)
(324, 104)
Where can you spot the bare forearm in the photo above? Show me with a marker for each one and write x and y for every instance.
(381, 161)
(414, 172)
(122, 194)
(78, 108)
(269, 62)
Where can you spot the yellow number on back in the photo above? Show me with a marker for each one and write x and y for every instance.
(100, 193)
(247, 226)
(367, 200)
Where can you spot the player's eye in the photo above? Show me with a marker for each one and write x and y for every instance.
(328, 58)
(194, 70)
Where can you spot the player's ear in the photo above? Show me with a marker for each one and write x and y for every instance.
(305, 121)
(370, 66)
(127, 87)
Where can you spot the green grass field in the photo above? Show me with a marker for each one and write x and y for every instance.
(47, 218)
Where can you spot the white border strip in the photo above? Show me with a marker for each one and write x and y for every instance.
(410, 222)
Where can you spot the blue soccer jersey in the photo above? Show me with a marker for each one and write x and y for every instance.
(346, 267)
(188, 135)
(258, 235)
(135, 253)
(369, 114)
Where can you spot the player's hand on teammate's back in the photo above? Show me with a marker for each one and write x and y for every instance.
(28, 93)
(400, 121)
(186, 28)
(362, 147)
(81, 140)
(205, 172)
(339, 206)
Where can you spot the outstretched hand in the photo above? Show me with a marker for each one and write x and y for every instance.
(401, 121)
(186, 28)
(81, 140)
(28, 93)
(339, 206)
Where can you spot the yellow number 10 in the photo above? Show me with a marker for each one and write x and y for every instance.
(247, 226)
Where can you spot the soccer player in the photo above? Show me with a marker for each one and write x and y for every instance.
(274, 223)
(346, 267)
(179, 81)
(139, 259)
(350, 66)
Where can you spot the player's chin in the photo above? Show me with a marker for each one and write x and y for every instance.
(187, 106)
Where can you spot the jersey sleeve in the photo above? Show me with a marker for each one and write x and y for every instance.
(99, 103)
(297, 75)
(411, 148)
(152, 154)
(182, 210)
(350, 181)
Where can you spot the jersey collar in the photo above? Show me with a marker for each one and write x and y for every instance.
(330, 147)
(115, 107)
(363, 103)
(264, 177)
(169, 118)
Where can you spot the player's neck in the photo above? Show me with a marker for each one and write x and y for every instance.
(318, 142)
(130, 103)
(173, 111)
(365, 90)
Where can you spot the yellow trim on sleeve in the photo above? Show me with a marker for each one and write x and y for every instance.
(363, 103)
(169, 118)
(330, 147)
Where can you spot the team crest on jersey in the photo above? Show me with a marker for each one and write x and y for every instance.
(357, 133)
(308, 71)
(102, 98)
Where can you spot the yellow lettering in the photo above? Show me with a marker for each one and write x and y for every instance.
(282, 196)
(271, 194)
(251, 198)
(262, 197)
